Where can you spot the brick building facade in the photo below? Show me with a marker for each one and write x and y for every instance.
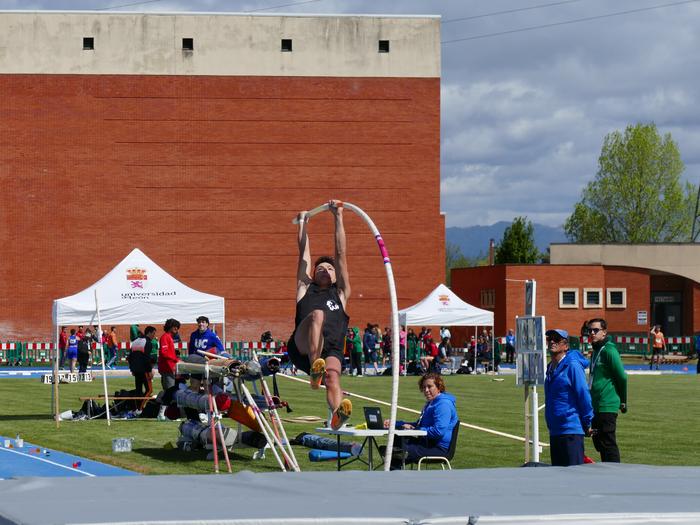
(569, 294)
(201, 157)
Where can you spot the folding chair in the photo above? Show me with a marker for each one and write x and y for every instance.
(443, 460)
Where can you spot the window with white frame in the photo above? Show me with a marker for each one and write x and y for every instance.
(568, 297)
(617, 297)
(592, 297)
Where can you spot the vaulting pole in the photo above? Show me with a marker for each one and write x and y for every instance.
(395, 361)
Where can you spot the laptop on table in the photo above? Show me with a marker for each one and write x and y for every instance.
(373, 418)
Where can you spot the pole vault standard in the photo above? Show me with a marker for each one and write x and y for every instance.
(394, 318)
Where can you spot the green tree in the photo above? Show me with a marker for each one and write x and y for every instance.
(454, 258)
(637, 195)
(518, 243)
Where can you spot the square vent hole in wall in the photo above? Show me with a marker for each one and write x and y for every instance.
(286, 45)
(88, 43)
(188, 44)
(383, 46)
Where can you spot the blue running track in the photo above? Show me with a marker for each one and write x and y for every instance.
(32, 460)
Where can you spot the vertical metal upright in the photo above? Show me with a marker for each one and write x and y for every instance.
(531, 390)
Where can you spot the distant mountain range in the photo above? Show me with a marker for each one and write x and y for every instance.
(474, 240)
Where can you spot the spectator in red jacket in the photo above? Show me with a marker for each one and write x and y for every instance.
(167, 358)
(63, 345)
(432, 353)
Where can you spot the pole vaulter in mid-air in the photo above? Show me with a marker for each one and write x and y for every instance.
(323, 290)
(318, 322)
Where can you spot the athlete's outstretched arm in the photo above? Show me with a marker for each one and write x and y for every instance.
(304, 264)
(341, 265)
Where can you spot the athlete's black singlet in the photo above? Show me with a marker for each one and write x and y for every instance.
(335, 325)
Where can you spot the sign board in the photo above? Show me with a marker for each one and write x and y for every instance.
(530, 347)
(67, 377)
(642, 317)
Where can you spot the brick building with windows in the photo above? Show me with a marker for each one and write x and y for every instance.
(198, 137)
(631, 286)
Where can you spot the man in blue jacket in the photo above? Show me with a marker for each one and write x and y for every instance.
(568, 407)
(204, 339)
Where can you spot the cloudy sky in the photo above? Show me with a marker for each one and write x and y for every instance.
(529, 88)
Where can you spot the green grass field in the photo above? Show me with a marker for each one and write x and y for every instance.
(659, 429)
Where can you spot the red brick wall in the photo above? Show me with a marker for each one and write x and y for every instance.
(468, 283)
(204, 174)
(694, 294)
(636, 281)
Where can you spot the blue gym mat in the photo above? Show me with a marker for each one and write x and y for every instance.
(32, 460)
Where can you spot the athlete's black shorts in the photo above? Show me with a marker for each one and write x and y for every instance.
(301, 362)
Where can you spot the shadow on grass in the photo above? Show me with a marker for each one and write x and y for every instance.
(27, 417)
(173, 454)
(238, 460)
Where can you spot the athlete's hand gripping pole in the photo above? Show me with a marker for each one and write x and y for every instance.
(316, 211)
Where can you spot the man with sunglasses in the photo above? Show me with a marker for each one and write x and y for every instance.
(568, 409)
(608, 381)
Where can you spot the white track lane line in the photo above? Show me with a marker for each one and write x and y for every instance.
(48, 461)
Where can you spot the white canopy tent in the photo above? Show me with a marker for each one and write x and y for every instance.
(442, 307)
(135, 291)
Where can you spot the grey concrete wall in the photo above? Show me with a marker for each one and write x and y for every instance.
(678, 259)
(224, 44)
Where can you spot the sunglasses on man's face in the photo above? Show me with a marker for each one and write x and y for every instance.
(594, 330)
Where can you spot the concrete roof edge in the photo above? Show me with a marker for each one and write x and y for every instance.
(210, 13)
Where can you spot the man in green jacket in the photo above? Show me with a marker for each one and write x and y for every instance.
(355, 348)
(608, 390)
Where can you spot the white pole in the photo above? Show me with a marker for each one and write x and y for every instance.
(102, 355)
(534, 413)
(476, 345)
(54, 391)
(493, 349)
(223, 327)
(535, 425)
(394, 320)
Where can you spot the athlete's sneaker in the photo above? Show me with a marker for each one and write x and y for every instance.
(342, 414)
(318, 370)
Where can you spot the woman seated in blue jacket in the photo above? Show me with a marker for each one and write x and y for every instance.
(438, 419)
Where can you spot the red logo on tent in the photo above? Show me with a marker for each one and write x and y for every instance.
(444, 299)
(136, 274)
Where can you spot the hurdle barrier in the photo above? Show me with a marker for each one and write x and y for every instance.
(122, 351)
(181, 348)
(39, 352)
(6, 350)
(679, 345)
(247, 348)
(633, 345)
